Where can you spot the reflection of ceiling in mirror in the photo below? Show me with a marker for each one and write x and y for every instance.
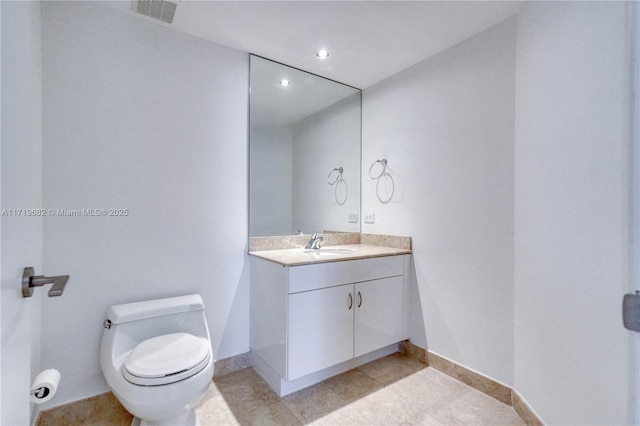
(274, 104)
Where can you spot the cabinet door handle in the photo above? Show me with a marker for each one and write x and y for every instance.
(350, 301)
(359, 299)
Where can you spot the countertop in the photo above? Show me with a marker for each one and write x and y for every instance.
(301, 256)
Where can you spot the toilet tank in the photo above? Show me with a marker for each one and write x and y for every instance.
(131, 323)
(136, 311)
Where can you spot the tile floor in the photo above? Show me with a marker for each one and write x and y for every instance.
(394, 390)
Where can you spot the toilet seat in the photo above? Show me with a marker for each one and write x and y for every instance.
(166, 359)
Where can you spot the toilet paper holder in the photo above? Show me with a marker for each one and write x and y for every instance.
(45, 386)
(30, 280)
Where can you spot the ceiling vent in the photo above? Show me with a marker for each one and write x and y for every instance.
(157, 9)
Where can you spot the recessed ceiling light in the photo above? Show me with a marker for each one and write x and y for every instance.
(285, 82)
(322, 54)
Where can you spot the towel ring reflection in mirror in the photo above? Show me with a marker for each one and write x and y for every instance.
(338, 175)
(341, 190)
(388, 186)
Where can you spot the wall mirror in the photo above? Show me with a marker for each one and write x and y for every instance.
(304, 152)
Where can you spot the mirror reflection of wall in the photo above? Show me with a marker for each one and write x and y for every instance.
(298, 134)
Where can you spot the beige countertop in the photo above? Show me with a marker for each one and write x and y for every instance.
(301, 256)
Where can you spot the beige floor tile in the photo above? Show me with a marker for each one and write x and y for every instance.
(312, 402)
(352, 385)
(440, 379)
(212, 419)
(423, 418)
(426, 390)
(392, 368)
(386, 407)
(241, 387)
(472, 407)
(346, 415)
(103, 409)
(212, 402)
(260, 412)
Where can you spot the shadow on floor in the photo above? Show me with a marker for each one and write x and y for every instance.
(393, 390)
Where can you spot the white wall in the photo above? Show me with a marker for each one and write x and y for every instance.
(326, 140)
(271, 179)
(21, 163)
(139, 117)
(571, 211)
(446, 128)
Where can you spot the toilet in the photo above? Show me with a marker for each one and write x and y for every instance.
(156, 357)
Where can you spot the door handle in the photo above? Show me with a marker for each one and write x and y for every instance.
(631, 311)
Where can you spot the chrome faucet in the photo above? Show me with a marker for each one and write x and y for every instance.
(315, 242)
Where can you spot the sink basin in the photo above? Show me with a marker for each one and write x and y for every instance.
(322, 252)
(330, 251)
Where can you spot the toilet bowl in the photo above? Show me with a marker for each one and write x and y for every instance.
(156, 357)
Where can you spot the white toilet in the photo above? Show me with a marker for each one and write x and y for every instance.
(156, 357)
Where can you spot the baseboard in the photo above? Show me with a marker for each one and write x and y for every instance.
(472, 378)
(523, 409)
(231, 364)
(484, 384)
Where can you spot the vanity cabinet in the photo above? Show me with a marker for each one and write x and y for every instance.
(379, 314)
(309, 318)
(320, 329)
(335, 324)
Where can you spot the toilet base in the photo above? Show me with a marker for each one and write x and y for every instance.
(190, 418)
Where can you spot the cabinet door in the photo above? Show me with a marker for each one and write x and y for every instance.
(320, 329)
(379, 314)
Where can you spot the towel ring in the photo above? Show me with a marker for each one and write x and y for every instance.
(384, 168)
(338, 175)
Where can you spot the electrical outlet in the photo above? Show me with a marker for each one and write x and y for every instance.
(369, 218)
(353, 217)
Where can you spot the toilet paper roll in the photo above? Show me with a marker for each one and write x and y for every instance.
(45, 386)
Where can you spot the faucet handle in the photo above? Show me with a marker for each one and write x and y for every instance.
(314, 243)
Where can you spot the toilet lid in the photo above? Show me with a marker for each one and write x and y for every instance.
(166, 359)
